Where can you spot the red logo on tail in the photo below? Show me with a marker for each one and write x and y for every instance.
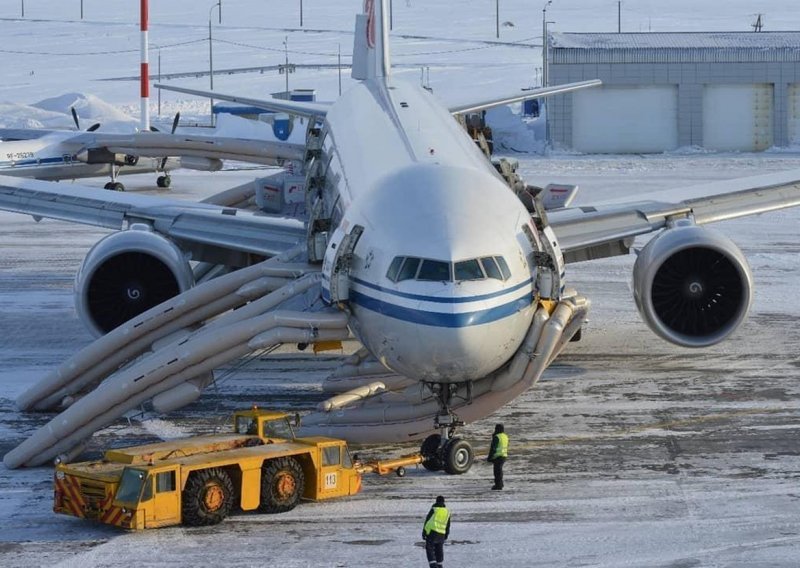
(369, 9)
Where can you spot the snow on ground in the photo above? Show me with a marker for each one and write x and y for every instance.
(630, 452)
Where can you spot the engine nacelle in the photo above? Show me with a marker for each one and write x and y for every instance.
(127, 273)
(201, 164)
(692, 286)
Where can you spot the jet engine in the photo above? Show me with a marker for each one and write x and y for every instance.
(692, 285)
(127, 273)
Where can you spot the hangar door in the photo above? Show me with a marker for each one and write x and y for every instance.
(737, 117)
(794, 114)
(625, 119)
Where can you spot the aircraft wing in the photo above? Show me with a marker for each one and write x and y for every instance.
(587, 233)
(202, 224)
(541, 92)
(299, 108)
(160, 144)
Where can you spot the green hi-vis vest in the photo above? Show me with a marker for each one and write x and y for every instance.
(438, 521)
(501, 451)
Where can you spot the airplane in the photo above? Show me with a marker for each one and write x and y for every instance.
(61, 154)
(448, 271)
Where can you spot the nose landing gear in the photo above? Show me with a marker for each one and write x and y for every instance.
(446, 451)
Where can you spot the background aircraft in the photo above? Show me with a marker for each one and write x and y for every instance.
(456, 290)
(58, 155)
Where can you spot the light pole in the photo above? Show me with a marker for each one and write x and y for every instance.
(544, 43)
(218, 4)
(301, 13)
(286, 68)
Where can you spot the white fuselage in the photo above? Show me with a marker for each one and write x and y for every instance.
(399, 165)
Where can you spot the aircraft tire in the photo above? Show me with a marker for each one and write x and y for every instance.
(207, 497)
(430, 451)
(458, 456)
(163, 181)
(282, 485)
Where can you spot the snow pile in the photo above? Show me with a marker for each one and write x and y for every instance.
(90, 109)
(513, 134)
(13, 115)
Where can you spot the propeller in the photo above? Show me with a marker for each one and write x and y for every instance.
(77, 122)
(175, 122)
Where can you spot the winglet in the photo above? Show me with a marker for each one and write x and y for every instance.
(371, 42)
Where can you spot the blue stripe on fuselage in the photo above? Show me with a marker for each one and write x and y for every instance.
(442, 299)
(439, 319)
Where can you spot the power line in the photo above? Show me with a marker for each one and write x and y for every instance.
(165, 46)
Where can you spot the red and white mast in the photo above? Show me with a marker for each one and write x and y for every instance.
(145, 69)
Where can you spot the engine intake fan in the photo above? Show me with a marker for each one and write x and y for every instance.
(692, 286)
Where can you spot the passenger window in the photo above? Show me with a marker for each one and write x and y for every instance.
(331, 456)
(409, 270)
(491, 269)
(434, 270)
(165, 482)
(468, 270)
(501, 262)
(394, 268)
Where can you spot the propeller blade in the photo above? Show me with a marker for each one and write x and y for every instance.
(154, 129)
(176, 121)
(93, 127)
(75, 117)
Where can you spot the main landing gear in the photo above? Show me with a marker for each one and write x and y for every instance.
(446, 451)
(164, 181)
(114, 185)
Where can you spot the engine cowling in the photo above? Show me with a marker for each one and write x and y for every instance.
(692, 285)
(127, 273)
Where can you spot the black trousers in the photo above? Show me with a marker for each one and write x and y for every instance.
(434, 547)
(498, 471)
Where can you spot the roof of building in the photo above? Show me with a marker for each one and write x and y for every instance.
(676, 40)
(661, 47)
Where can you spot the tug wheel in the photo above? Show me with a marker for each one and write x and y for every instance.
(282, 484)
(207, 497)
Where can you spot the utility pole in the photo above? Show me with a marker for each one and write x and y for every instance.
(391, 16)
(340, 69)
(81, 9)
(758, 25)
(23, 8)
(497, 17)
(544, 43)
(301, 13)
(619, 16)
(218, 4)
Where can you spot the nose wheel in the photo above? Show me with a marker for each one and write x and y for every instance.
(446, 451)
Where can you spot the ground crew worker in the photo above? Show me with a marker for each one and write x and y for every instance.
(498, 452)
(435, 531)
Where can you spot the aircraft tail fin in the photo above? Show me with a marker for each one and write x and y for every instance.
(371, 42)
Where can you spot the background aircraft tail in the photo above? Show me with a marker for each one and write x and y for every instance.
(371, 42)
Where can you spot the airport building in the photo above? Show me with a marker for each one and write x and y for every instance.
(731, 91)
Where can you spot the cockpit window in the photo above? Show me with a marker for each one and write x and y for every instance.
(409, 270)
(501, 262)
(469, 270)
(394, 268)
(490, 268)
(434, 270)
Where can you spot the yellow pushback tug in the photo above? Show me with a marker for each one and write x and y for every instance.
(199, 480)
